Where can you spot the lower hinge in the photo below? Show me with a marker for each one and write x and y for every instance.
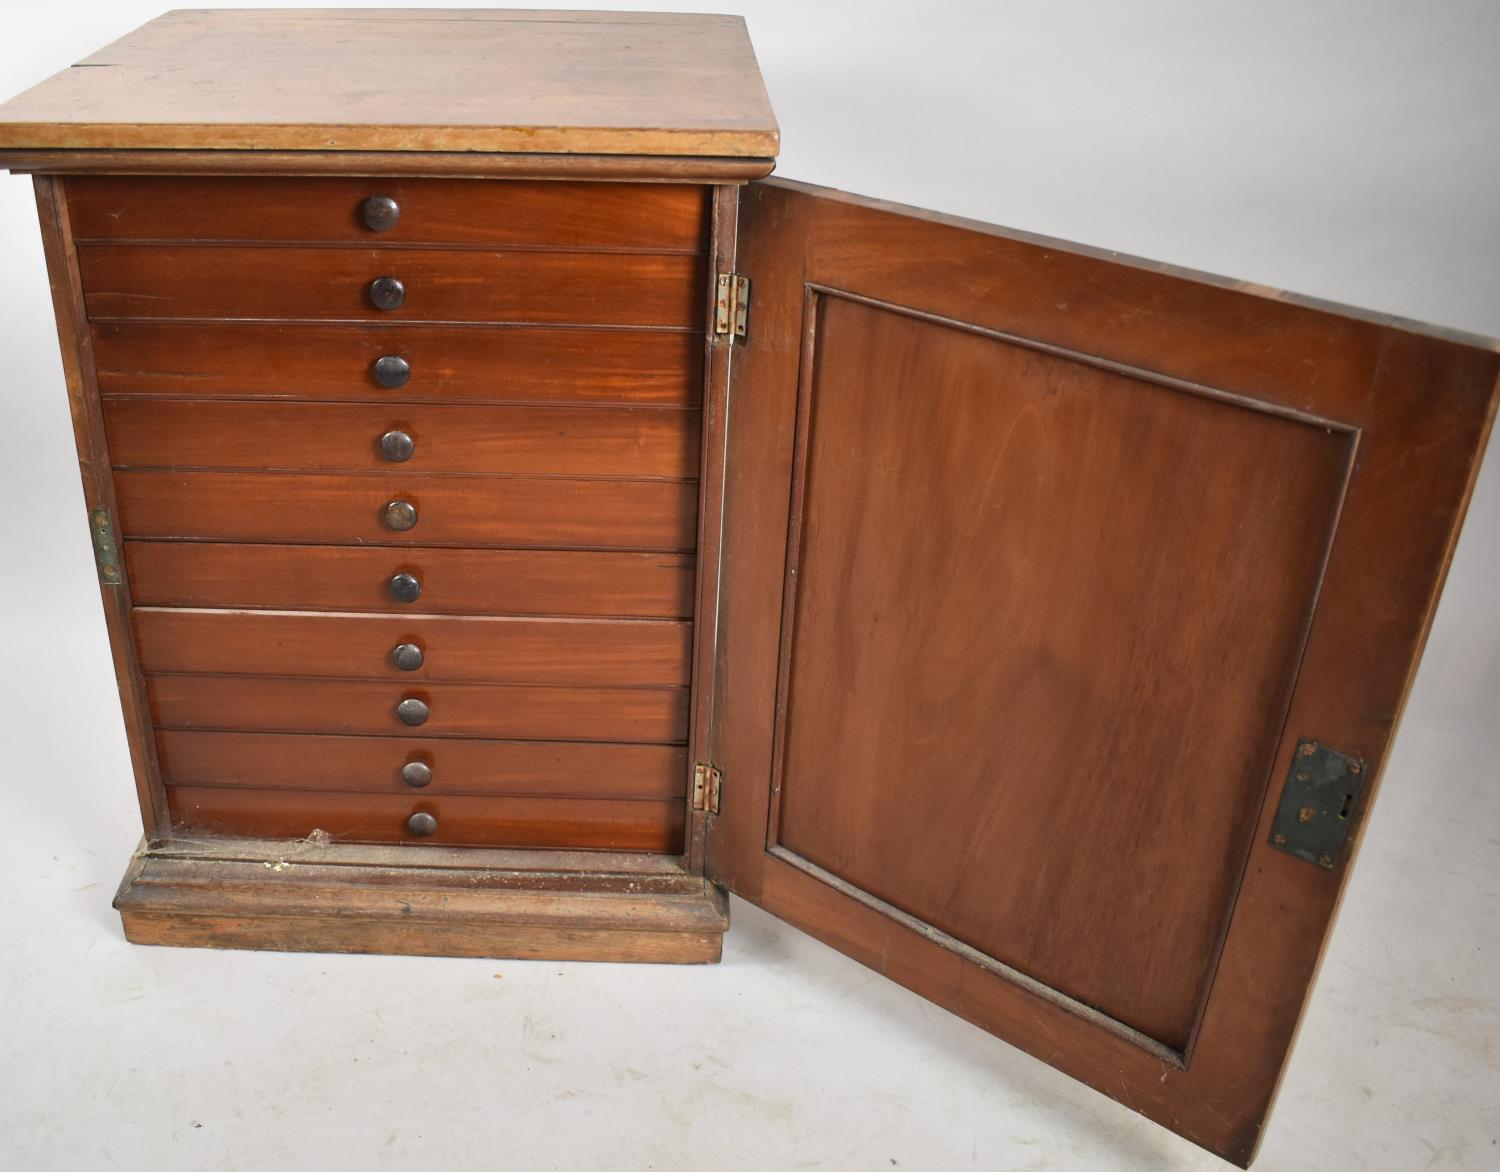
(732, 304)
(707, 781)
(106, 553)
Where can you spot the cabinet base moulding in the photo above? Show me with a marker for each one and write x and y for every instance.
(305, 896)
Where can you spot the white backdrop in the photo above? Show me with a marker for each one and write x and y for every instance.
(1349, 150)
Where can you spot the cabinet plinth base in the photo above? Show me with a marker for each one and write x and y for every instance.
(420, 901)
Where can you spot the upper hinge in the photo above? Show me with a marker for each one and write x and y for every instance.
(732, 304)
(707, 781)
(106, 553)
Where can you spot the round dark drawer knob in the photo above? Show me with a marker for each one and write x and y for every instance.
(407, 656)
(406, 588)
(380, 213)
(422, 824)
(397, 446)
(416, 774)
(412, 711)
(400, 515)
(387, 293)
(392, 371)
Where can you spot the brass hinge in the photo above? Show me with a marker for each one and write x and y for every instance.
(106, 554)
(707, 781)
(732, 305)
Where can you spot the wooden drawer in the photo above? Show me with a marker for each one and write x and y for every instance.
(664, 217)
(581, 823)
(234, 281)
(495, 711)
(452, 581)
(373, 764)
(567, 441)
(470, 649)
(305, 360)
(451, 510)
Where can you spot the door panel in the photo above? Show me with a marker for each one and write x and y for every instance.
(1037, 565)
(999, 519)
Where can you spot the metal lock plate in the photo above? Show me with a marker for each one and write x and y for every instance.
(1312, 820)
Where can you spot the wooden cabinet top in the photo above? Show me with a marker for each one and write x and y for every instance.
(410, 80)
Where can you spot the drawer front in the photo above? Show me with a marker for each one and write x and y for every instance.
(447, 581)
(450, 650)
(519, 625)
(228, 281)
(454, 510)
(585, 824)
(374, 765)
(306, 360)
(368, 708)
(565, 441)
(664, 217)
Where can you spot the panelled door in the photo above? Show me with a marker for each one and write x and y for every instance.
(1068, 608)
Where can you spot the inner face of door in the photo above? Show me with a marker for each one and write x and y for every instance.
(1044, 619)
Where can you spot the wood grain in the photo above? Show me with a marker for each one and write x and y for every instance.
(1016, 503)
(271, 282)
(483, 868)
(570, 769)
(260, 893)
(473, 511)
(300, 360)
(582, 168)
(577, 824)
(454, 581)
(349, 932)
(1419, 399)
(496, 213)
(316, 437)
(719, 353)
(456, 649)
(636, 83)
(98, 489)
(368, 708)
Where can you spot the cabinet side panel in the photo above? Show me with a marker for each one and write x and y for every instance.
(98, 487)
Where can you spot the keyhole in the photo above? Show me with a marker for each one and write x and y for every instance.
(1344, 809)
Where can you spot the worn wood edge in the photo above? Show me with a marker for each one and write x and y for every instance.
(75, 341)
(983, 961)
(269, 891)
(414, 164)
(414, 857)
(1251, 1148)
(447, 940)
(290, 905)
(712, 479)
(605, 140)
(1218, 281)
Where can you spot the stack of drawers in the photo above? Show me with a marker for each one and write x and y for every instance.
(406, 479)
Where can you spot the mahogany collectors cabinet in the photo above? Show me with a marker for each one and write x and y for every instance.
(518, 521)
